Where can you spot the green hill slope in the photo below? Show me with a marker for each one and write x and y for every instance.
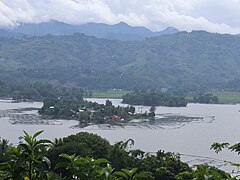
(197, 59)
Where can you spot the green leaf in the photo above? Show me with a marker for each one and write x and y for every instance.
(131, 172)
(80, 162)
(43, 141)
(100, 161)
(61, 164)
(37, 134)
(120, 174)
(27, 137)
(4, 166)
(235, 164)
(24, 146)
(66, 156)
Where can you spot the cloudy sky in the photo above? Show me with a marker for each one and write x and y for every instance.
(221, 16)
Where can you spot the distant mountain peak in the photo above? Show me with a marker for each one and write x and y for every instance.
(168, 30)
(122, 23)
(120, 31)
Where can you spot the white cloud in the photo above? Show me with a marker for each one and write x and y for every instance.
(211, 15)
(15, 11)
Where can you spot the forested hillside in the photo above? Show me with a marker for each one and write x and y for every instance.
(197, 60)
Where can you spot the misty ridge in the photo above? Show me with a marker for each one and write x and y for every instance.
(121, 31)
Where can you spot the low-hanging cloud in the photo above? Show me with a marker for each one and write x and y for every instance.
(221, 16)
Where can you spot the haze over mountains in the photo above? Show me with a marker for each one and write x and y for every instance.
(120, 31)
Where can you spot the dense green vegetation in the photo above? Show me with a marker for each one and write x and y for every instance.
(88, 156)
(38, 91)
(153, 98)
(91, 112)
(192, 61)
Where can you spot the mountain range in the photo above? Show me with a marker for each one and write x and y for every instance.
(120, 31)
(192, 60)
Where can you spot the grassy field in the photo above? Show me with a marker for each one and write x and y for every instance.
(227, 97)
(109, 94)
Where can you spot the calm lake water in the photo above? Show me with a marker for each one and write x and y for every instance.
(219, 123)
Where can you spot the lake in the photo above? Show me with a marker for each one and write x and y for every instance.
(192, 138)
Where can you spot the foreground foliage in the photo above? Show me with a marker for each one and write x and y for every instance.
(27, 159)
(35, 159)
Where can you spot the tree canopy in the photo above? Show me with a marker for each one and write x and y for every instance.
(35, 158)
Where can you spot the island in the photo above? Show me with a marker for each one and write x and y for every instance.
(87, 112)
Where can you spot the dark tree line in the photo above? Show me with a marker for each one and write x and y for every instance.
(154, 98)
(38, 91)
